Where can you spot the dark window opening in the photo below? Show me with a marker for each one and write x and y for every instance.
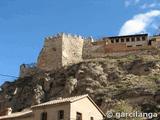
(127, 39)
(112, 41)
(122, 40)
(133, 39)
(117, 40)
(138, 39)
(129, 46)
(94, 43)
(143, 38)
(61, 115)
(138, 45)
(92, 118)
(54, 49)
(44, 116)
(150, 41)
(79, 116)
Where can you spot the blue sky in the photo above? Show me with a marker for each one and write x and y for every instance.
(25, 23)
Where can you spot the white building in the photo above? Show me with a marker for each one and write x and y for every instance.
(72, 108)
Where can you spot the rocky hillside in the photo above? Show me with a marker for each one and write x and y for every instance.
(115, 83)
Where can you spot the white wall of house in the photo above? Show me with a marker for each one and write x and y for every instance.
(52, 111)
(84, 106)
(22, 118)
(87, 108)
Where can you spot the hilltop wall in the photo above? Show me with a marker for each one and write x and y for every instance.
(50, 57)
(71, 49)
(60, 50)
(65, 49)
(93, 49)
(27, 70)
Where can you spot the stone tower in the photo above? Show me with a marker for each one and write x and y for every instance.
(60, 50)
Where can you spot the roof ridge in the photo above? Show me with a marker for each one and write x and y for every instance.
(56, 101)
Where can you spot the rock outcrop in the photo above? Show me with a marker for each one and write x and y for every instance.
(133, 79)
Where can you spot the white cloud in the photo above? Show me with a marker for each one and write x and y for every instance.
(139, 23)
(131, 2)
(152, 5)
(127, 3)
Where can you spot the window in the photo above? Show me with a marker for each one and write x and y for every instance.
(143, 38)
(112, 41)
(117, 40)
(54, 49)
(127, 39)
(129, 46)
(61, 115)
(122, 40)
(138, 45)
(138, 39)
(94, 43)
(92, 118)
(133, 39)
(44, 116)
(79, 116)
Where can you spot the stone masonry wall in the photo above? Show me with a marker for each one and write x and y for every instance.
(50, 57)
(156, 42)
(123, 48)
(93, 49)
(65, 49)
(71, 49)
(103, 48)
(28, 70)
(59, 51)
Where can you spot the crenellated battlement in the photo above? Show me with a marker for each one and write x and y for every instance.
(68, 35)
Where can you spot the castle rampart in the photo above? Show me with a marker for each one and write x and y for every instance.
(51, 54)
(64, 49)
(60, 50)
(28, 70)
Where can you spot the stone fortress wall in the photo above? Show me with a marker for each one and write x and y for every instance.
(60, 50)
(28, 69)
(50, 56)
(65, 49)
(117, 45)
(93, 49)
(72, 47)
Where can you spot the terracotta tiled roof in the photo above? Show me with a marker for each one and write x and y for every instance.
(58, 101)
(15, 115)
(61, 100)
(68, 100)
